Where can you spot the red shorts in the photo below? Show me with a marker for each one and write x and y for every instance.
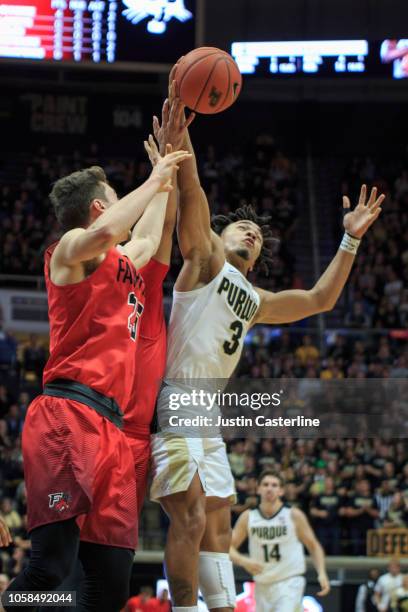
(140, 448)
(79, 464)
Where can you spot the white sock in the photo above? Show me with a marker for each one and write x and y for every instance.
(185, 609)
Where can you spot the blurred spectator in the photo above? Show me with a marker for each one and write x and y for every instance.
(10, 516)
(386, 586)
(144, 602)
(397, 513)
(399, 600)
(324, 511)
(365, 601)
(162, 602)
(8, 350)
(357, 318)
(383, 498)
(35, 357)
(307, 352)
(361, 510)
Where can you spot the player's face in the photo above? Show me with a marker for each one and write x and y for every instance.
(270, 489)
(244, 238)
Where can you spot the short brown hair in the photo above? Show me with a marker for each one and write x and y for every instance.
(272, 473)
(72, 194)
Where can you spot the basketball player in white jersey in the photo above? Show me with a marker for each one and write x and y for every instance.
(276, 535)
(214, 305)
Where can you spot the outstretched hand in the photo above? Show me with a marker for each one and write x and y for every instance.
(357, 222)
(164, 167)
(174, 124)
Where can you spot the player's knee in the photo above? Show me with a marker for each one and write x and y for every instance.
(49, 574)
(216, 580)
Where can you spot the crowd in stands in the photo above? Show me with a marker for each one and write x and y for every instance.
(346, 485)
(28, 226)
(378, 287)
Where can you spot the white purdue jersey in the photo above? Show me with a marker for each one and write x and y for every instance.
(273, 541)
(208, 326)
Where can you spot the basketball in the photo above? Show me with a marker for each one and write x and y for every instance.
(208, 80)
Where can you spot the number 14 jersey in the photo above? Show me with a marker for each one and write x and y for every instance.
(208, 326)
(274, 542)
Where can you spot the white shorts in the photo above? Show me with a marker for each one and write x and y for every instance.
(175, 460)
(283, 596)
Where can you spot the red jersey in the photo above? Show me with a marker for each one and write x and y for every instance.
(94, 327)
(137, 604)
(150, 353)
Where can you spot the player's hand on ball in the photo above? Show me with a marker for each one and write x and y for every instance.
(324, 585)
(173, 125)
(165, 166)
(357, 222)
(254, 567)
(5, 537)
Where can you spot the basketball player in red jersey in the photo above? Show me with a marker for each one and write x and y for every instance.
(151, 346)
(79, 469)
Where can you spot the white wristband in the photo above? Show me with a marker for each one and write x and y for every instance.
(350, 244)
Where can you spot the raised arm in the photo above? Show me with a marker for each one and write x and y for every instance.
(148, 231)
(306, 535)
(201, 249)
(239, 535)
(296, 304)
(111, 227)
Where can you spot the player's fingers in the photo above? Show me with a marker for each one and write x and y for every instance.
(169, 148)
(153, 145)
(363, 195)
(374, 216)
(156, 126)
(165, 112)
(189, 120)
(377, 203)
(346, 202)
(373, 197)
(172, 74)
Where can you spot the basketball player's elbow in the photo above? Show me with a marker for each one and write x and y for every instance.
(322, 301)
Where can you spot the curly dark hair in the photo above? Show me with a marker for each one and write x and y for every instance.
(248, 213)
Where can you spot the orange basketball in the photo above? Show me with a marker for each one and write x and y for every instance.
(208, 80)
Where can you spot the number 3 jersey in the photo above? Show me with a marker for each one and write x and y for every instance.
(274, 542)
(208, 326)
(94, 327)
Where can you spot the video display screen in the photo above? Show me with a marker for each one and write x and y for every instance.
(97, 31)
(323, 58)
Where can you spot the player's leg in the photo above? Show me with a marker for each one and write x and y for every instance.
(54, 550)
(186, 512)
(216, 575)
(284, 596)
(107, 571)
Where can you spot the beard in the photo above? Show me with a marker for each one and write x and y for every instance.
(244, 253)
